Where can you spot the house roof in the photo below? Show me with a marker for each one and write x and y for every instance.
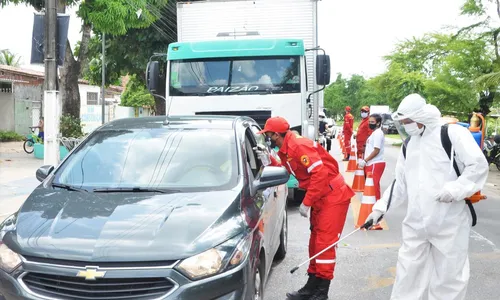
(16, 74)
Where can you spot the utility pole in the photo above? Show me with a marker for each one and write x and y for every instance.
(103, 70)
(51, 103)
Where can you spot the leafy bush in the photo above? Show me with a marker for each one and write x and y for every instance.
(10, 136)
(136, 94)
(70, 126)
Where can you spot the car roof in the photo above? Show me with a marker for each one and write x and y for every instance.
(200, 122)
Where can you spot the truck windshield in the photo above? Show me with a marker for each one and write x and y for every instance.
(250, 75)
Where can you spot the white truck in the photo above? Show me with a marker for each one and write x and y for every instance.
(257, 58)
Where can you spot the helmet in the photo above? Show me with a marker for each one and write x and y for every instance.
(322, 114)
(365, 108)
(497, 138)
(348, 108)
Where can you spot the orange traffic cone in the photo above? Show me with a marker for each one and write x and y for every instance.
(358, 184)
(367, 202)
(353, 162)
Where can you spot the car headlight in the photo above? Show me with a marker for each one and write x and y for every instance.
(9, 260)
(224, 257)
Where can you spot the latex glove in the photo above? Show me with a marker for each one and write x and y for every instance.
(304, 210)
(374, 217)
(361, 163)
(444, 196)
(263, 154)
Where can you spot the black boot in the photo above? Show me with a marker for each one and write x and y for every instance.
(305, 292)
(322, 288)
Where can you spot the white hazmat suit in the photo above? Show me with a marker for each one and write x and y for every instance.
(435, 231)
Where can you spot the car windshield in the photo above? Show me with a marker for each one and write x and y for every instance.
(229, 76)
(153, 158)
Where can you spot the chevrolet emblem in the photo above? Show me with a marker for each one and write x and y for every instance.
(90, 274)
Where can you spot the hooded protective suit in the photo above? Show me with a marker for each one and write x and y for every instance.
(435, 232)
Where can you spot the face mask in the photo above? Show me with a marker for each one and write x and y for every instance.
(270, 142)
(372, 126)
(412, 129)
(364, 115)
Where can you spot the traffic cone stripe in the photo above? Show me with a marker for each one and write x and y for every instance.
(368, 200)
(353, 163)
(358, 184)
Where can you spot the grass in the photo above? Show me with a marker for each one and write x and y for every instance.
(10, 136)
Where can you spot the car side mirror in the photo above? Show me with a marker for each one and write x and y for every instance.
(322, 69)
(43, 172)
(271, 176)
(153, 76)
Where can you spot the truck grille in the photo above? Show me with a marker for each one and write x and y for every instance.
(260, 116)
(67, 287)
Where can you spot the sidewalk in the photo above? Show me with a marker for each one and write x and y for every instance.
(17, 176)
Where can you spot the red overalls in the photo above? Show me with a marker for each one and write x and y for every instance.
(327, 193)
(362, 135)
(347, 131)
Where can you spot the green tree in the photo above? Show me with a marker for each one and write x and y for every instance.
(443, 68)
(114, 17)
(8, 58)
(354, 92)
(136, 94)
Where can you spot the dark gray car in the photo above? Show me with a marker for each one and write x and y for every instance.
(148, 209)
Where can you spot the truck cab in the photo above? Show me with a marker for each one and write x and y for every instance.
(252, 58)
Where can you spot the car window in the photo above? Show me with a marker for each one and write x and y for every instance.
(259, 138)
(253, 160)
(154, 158)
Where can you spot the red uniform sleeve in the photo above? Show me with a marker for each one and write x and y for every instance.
(275, 162)
(310, 159)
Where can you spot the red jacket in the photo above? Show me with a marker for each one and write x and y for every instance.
(348, 124)
(315, 169)
(363, 133)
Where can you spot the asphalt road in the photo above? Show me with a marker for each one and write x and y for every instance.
(366, 262)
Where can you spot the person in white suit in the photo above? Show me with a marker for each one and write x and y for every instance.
(435, 231)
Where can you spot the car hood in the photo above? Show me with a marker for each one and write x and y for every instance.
(116, 227)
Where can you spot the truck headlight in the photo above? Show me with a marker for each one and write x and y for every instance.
(9, 260)
(224, 257)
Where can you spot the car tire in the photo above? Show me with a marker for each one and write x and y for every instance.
(283, 247)
(298, 195)
(258, 281)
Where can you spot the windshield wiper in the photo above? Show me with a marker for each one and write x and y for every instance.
(134, 190)
(68, 187)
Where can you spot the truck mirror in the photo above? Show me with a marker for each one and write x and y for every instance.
(153, 76)
(322, 69)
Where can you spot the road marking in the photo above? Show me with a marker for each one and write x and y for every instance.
(478, 237)
(376, 282)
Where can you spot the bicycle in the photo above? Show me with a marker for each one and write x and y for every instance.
(31, 140)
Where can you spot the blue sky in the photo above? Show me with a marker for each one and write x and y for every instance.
(355, 33)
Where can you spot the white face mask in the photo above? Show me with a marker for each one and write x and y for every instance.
(364, 115)
(412, 129)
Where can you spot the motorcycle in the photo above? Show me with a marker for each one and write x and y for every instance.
(492, 150)
(322, 139)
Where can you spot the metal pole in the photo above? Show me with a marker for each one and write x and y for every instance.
(103, 71)
(315, 96)
(51, 104)
(50, 45)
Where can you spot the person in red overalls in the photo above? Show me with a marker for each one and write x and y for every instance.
(364, 131)
(327, 196)
(347, 130)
